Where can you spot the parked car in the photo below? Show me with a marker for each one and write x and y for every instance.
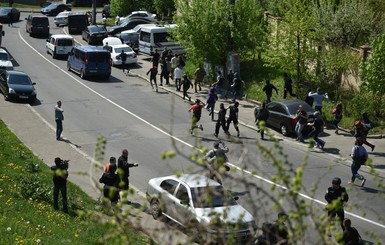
(62, 18)
(131, 38)
(94, 34)
(5, 60)
(140, 14)
(37, 25)
(127, 24)
(17, 85)
(116, 50)
(4, 12)
(184, 200)
(55, 8)
(59, 44)
(282, 115)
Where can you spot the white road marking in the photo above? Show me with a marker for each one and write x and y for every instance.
(179, 140)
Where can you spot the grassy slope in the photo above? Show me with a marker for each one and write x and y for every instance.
(26, 212)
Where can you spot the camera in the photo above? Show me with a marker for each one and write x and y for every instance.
(64, 164)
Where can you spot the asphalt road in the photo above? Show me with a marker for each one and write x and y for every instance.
(129, 114)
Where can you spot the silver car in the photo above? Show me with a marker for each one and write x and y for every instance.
(62, 18)
(198, 202)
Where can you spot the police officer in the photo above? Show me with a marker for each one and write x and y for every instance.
(337, 197)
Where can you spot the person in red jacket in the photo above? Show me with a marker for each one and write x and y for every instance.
(197, 112)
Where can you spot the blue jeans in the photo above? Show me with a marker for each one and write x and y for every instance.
(298, 130)
(317, 140)
(355, 167)
(59, 128)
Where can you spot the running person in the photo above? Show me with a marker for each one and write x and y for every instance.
(221, 121)
(233, 117)
(153, 72)
(123, 57)
(197, 112)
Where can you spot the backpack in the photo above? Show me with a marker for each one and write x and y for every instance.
(359, 159)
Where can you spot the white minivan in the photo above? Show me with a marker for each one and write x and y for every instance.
(158, 37)
(59, 44)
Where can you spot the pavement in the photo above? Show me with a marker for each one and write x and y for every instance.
(28, 127)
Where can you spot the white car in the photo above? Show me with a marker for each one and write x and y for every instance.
(140, 14)
(194, 200)
(116, 50)
(5, 60)
(59, 44)
(138, 27)
(62, 18)
(111, 41)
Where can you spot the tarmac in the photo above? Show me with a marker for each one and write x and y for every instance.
(28, 127)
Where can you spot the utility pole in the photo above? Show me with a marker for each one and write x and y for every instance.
(93, 12)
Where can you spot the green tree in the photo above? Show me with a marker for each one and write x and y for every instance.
(164, 7)
(373, 69)
(125, 7)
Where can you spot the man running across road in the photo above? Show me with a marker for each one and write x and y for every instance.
(233, 117)
(197, 112)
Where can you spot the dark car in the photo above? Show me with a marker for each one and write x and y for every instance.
(283, 113)
(17, 85)
(128, 24)
(94, 34)
(37, 25)
(55, 8)
(130, 38)
(4, 14)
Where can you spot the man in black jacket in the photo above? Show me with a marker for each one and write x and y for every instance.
(337, 197)
(221, 121)
(60, 175)
(124, 170)
(261, 116)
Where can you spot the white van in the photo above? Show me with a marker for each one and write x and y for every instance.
(59, 44)
(157, 37)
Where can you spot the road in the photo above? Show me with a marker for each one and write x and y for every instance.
(129, 114)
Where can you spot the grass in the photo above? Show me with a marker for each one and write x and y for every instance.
(27, 215)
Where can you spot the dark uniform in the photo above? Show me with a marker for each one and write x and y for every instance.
(336, 196)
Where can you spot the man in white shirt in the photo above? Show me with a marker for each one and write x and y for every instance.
(178, 72)
(318, 98)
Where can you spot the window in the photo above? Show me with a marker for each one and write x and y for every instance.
(161, 37)
(145, 37)
(169, 185)
(182, 194)
(99, 56)
(64, 42)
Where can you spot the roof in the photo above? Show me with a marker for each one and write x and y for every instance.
(197, 180)
(62, 36)
(89, 48)
(3, 51)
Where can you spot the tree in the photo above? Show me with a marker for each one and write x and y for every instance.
(373, 69)
(125, 7)
(164, 7)
(209, 29)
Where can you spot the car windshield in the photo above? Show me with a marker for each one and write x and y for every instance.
(129, 37)
(64, 42)
(96, 29)
(19, 79)
(211, 197)
(294, 107)
(4, 56)
(125, 49)
(5, 10)
(99, 57)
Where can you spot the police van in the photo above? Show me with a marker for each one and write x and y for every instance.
(90, 61)
(158, 37)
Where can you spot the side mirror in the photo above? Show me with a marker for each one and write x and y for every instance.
(33, 83)
(236, 198)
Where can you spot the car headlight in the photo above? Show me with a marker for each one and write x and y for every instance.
(11, 91)
(33, 92)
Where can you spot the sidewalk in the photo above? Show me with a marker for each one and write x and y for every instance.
(338, 146)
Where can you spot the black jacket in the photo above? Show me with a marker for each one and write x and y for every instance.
(338, 194)
(60, 175)
(125, 166)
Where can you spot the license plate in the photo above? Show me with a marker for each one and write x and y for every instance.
(93, 70)
(23, 97)
(99, 35)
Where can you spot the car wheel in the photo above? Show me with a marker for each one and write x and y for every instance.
(57, 25)
(6, 96)
(82, 74)
(283, 129)
(155, 209)
(68, 66)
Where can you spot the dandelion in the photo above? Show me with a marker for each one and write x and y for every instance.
(9, 229)
(38, 241)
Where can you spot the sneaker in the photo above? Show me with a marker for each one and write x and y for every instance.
(373, 147)
(363, 182)
(351, 182)
(245, 96)
(191, 131)
(201, 127)
(238, 134)
(322, 146)
(216, 135)
(336, 132)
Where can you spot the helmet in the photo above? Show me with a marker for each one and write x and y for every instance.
(197, 101)
(336, 181)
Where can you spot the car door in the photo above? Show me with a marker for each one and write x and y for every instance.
(274, 114)
(182, 204)
(50, 44)
(3, 83)
(169, 186)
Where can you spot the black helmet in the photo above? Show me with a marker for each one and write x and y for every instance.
(336, 181)
(197, 101)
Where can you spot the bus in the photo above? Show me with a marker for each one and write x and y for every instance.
(77, 22)
(158, 37)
